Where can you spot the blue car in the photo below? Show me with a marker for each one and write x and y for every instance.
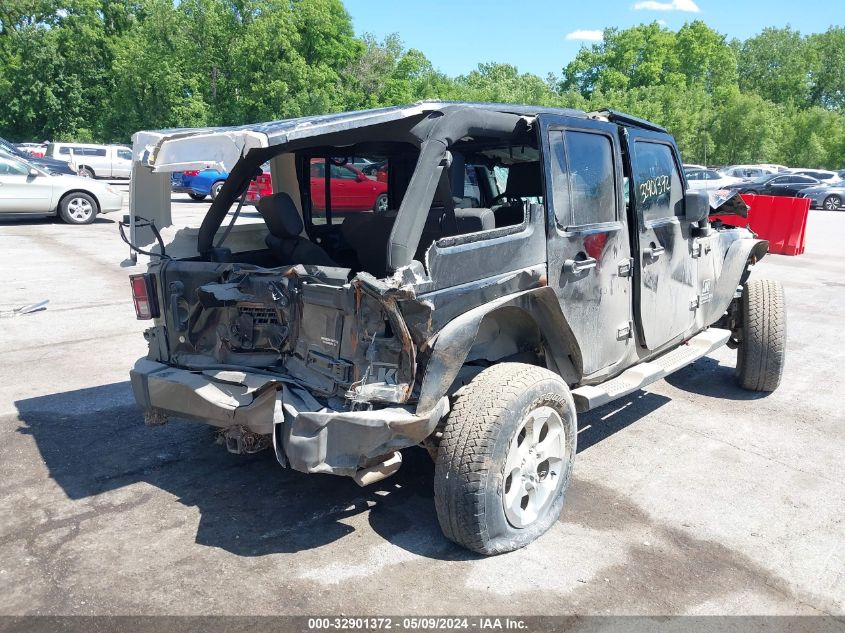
(208, 183)
(198, 184)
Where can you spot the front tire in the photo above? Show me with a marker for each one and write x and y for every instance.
(761, 353)
(505, 459)
(85, 172)
(832, 203)
(78, 208)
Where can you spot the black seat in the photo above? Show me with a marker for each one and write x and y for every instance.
(524, 181)
(285, 224)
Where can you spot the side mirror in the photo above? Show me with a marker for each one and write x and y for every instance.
(360, 177)
(697, 206)
(34, 172)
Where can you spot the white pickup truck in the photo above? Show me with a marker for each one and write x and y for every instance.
(94, 161)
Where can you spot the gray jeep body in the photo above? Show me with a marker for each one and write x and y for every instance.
(340, 366)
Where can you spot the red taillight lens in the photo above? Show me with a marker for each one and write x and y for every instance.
(191, 173)
(144, 296)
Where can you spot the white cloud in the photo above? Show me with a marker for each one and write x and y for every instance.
(583, 34)
(662, 22)
(672, 5)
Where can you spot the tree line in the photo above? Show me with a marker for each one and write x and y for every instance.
(99, 70)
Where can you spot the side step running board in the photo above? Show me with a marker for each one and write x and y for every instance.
(638, 376)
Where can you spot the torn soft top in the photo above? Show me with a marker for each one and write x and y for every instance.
(221, 147)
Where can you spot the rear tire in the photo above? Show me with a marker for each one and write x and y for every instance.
(197, 196)
(85, 172)
(380, 205)
(832, 203)
(761, 353)
(505, 459)
(215, 189)
(78, 208)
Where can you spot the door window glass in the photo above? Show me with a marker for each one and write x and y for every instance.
(125, 154)
(9, 167)
(583, 176)
(657, 182)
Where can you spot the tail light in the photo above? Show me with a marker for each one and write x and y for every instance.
(144, 296)
(191, 173)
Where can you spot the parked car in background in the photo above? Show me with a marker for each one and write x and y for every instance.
(183, 182)
(775, 185)
(33, 149)
(261, 186)
(746, 171)
(708, 180)
(692, 166)
(94, 161)
(50, 165)
(350, 189)
(829, 197)
(774, 167)
(27, 189)
(207, 182)
(824, 175)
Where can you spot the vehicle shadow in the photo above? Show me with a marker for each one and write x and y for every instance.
(600, 423)
(22, 219)
(94, 441)
(706, 377)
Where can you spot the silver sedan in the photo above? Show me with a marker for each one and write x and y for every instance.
(26, 189)
(830, 197)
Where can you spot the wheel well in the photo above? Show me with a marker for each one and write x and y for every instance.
(503, 333)
(87, 193)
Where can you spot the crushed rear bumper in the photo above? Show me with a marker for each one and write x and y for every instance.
(307, 435)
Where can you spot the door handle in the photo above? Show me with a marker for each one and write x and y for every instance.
(654, 252)
(575, 266)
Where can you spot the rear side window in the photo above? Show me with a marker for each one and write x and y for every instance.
(94, 151)
(64, 150)
(657, 182)
(583, 164)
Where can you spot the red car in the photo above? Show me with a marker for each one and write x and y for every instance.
(260, 187)
(351, 189)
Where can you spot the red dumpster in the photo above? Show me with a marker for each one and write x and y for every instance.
(779, 219)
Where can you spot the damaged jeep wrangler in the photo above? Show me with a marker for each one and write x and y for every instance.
(529, 263)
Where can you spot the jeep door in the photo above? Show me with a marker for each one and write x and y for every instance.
(588, 249)
(667, 273)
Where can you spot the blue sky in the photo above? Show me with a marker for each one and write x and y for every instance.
(458, 34)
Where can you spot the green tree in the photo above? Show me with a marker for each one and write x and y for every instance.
(776, 65)
(827, 73)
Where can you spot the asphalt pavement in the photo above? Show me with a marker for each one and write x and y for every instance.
(690, 497)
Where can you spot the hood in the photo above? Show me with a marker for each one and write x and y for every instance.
(68, 181)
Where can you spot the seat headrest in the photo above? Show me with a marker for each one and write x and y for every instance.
(280, 215)
(524, 180)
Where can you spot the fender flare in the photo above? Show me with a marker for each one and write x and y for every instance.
(735, 270)
(452, 344)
